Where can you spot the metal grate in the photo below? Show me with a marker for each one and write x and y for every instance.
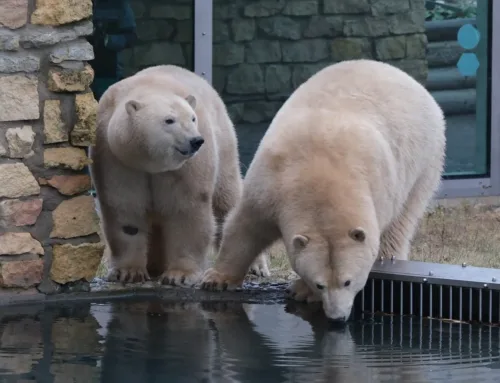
(426, 290)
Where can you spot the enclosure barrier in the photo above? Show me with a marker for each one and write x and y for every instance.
(428, 290)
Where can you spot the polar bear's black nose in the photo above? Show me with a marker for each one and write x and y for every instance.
(337, 322)
(196, 143)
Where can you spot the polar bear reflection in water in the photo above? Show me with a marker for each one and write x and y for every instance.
(234, 342)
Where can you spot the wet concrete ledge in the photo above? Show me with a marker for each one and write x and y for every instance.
(103, 291)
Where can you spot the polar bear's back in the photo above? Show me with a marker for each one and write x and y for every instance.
(401, 108)
(358, 121)
(362, 106)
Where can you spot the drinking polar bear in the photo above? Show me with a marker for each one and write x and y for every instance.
(165, 167)
(343, 174)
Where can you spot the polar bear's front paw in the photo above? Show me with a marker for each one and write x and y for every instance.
(178, 277)
(128, 274)
(301, 292)
(259, 267)
(216, 281)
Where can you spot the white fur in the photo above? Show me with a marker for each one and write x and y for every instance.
(343, 175)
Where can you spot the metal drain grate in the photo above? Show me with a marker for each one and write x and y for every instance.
(427, 290)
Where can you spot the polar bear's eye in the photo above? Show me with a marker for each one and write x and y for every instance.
(193, 119)
(320, 287)
(169, 121)
(347, 283)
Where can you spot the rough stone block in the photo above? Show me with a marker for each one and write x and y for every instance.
(17, 181)
(18, 62)
(19, 243)
(235, 111)
(245, 79)
(154, 54)
(167, 11)
(301, 73)
(75, 217)
(278, 79)
(20, 213)
(149, 30)
(228, 53)
(305, 51)
(70, 185)
(9, 41)
(385, 7)
(408, 22)
(83, 133)
(366, 26)
(13, 13)
(418, 69)
(390, 48)
(19, 98)
(346, 6)
(73, 263)
(59, 12)
(67, 158)
(263, 51)
(417, 4)
(264, 8)
(416, 46)
(301, 8)
(324, 26)
(3, 150)
(351, 48)
(34, 36)
(243, 29)
(24, 274)
(226, 11)
(53, 125)
(79, 50)
(280, 27)
(220, 32)
(184, 31)
(70, 80)
(20, 142)
(260, 111)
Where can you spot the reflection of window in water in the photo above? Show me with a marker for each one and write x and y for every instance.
(114, 31)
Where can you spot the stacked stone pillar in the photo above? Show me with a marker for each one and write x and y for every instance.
(48, 225)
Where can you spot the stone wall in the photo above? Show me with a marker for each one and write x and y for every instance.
(164, 34)
(265, 49)
(48, 225)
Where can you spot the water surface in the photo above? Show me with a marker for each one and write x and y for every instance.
(153, 341)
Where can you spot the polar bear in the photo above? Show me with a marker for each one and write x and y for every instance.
(343, 175)
(165, 167)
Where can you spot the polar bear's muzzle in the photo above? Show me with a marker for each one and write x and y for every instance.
(192, 146)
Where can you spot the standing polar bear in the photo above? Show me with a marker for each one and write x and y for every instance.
(166, 169)
(343, 174)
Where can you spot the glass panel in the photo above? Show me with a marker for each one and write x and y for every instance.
(263, 50)
(133, 35)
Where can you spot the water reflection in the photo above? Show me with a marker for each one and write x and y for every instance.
(154, 341)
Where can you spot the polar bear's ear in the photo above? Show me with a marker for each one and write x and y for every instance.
(132, 106)
(191, 101)
(358, 234)
(299, 242)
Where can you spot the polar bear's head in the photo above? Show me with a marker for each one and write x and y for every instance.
(335, 267)
(156, 133)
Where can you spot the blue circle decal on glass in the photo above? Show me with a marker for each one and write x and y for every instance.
(468, 36)
(468, 64)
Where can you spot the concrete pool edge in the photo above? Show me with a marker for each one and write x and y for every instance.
(257, 294)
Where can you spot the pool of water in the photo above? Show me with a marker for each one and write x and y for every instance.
(154, 341)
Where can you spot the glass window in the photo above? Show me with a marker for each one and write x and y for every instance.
(263, 50)
(130, 35)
